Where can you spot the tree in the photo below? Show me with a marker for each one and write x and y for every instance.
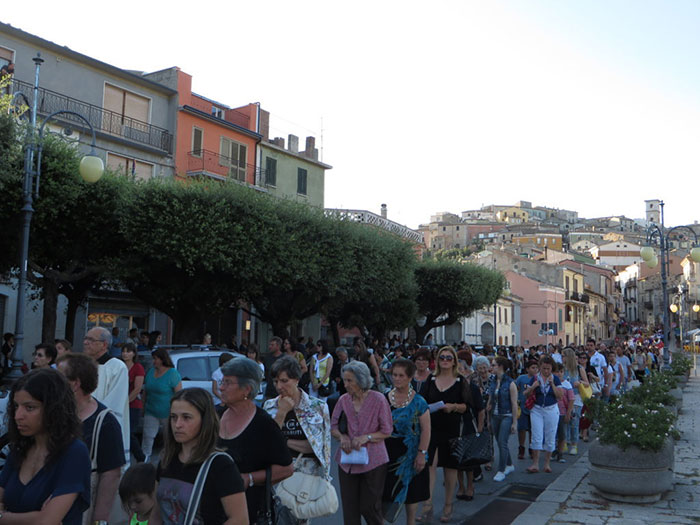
(448, 291)
(73, 229)
(195, 249)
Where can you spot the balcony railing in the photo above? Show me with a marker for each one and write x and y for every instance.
(101, 119)
(210, 164)
(367, 217)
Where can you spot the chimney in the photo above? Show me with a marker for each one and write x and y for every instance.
(293, 144)
(264, 124)
(278, 141)
(311, 150)
(383, 212)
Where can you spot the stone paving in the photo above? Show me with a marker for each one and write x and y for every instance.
(571, 499)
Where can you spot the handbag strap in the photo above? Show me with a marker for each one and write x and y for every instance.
(196, 494)
(268, 494)
(96, 429)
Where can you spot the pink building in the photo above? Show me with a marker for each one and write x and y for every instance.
(541, 310)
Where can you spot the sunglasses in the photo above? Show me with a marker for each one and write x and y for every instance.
(446, 358)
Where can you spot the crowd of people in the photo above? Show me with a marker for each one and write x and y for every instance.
(394, 408)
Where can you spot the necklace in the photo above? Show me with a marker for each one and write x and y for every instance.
(392, 397)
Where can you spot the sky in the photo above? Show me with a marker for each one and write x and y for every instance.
(444, 105)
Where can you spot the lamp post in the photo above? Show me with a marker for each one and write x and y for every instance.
(659, 236)
(91, 169)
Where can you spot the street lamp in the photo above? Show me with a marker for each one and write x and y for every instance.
(91, 169)
(658, 235)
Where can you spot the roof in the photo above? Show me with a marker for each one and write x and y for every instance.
(66, 51)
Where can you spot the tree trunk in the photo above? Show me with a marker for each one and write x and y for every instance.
(71, 313)
(188, 328)
(421, 332)
(333, 322)
(48, 321)
(279, 328)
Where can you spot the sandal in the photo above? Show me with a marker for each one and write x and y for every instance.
(446, 516)
(427, 514)
(465, 497)
(532, 470)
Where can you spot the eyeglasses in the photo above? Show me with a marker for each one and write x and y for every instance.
(92, 340)
(227, 383)
(446, 358)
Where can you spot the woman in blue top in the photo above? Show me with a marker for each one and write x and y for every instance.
(544, 416)
(503, 404)
(161, 382)
(47, 475)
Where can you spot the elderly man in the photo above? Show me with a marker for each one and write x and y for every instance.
(113, 379)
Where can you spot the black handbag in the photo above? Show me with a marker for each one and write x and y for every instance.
(473, 449)
(274, 513)
(324, 390)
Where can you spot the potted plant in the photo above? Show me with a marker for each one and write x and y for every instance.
(680, 367)
(632, 458)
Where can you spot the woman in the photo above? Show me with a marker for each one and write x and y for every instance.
(448, 387)
(136, 378)
(366, 423)
(154, 338)
(44, 356)
(482, 379)
(321, 366)
(544, 416)
(47, 454)
(249, 435)
(616, 375)
(189, 440)
(363, 355)
(422, 374)
(407, 480)
(503, 408)
(253, 353)
(288, 349)
(161, 382)
(575, 373)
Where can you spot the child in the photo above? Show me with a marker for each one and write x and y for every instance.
(566, 407)
(137, 490)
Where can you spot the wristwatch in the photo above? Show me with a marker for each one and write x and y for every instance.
(251, 481)
(369, 437)
(425, 453)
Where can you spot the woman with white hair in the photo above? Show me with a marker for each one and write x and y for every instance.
(361, 422)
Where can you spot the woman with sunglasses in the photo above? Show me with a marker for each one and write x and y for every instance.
(575, 373)
(448, 387)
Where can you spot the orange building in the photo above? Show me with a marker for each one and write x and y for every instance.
(213, 140)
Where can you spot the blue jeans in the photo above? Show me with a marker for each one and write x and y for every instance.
(501, 425)
(572, 427)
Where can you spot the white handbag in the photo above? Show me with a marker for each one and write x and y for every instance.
(307, 496)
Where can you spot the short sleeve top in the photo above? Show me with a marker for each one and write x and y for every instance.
(175, 484)
(159, 390)
(374, 416)
(134, 372)
(260, 445)
(110, 448)
(67, 474)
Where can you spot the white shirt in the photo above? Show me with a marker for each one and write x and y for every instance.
(598, 362)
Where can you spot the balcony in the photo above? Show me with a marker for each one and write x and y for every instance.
(102, 120)
(209, 164)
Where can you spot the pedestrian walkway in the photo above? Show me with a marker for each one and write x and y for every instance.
(572, 499)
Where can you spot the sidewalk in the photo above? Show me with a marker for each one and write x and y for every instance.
(572, 499)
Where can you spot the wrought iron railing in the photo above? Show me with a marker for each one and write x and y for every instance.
(367, 217)
(209, 163)
(101, 119)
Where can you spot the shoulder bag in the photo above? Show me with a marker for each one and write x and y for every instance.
(472, 449)
(196, 494)
(584, 390)
(306, 495)
(274, 512)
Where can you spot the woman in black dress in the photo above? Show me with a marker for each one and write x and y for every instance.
(448, 387)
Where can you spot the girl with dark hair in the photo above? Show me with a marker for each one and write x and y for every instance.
(503, 407)
(189, 440)
(154, 338)
(47, 453)
(322, 364)
(161, 382)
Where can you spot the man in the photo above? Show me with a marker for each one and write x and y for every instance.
(113, 379)
(143, 343)
(597, 359)
(81, 372)
(133, 337)
(275, 352)
(626, 366)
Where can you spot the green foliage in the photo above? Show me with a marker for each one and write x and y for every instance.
(681, 365)
(448, 291)
(456, 254)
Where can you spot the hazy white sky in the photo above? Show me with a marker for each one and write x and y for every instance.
(441, 105)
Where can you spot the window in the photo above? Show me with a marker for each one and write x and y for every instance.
(234, 155)
(270, 171)
(129, 111)
(566, 283)
(126, 166)
(197, 139)
(3, 308)
(301, 181)
(575, 285)
(193, 369)
(217, 112)
(6, 56)
(499, 314)
(568, 314)
(505, 316)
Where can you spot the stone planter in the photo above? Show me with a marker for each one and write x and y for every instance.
(677, 394)
(632, 475)
(682, 380)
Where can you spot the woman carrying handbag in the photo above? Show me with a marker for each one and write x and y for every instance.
(197, 485)
(305, 422)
